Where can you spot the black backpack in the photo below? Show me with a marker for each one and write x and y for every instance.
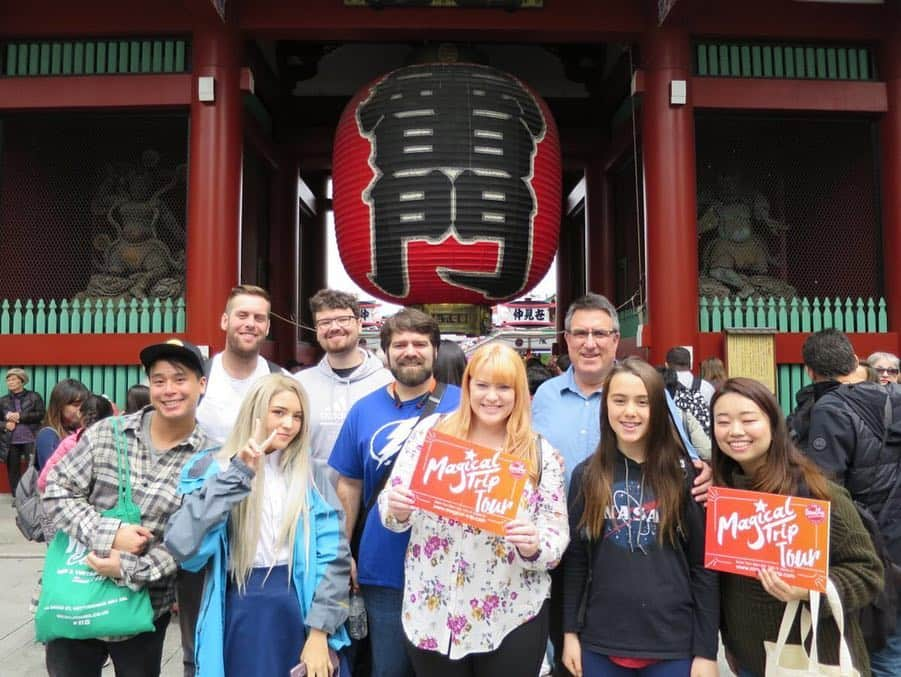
(692, 401)
(879, 617)
(29, 511)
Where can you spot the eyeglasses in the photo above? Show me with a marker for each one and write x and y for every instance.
(343, 321)
(892, 371)
(582, 335)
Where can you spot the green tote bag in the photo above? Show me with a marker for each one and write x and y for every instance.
(78, 603)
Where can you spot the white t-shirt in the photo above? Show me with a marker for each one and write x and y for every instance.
(218, 410)
(275, 496)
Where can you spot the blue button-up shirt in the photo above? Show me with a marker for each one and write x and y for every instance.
(571, 422)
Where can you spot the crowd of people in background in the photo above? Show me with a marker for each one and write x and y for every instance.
(276, 502)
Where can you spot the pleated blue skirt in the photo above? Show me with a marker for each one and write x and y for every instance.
(264, 630)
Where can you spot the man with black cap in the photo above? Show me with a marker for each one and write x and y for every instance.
(159, 440)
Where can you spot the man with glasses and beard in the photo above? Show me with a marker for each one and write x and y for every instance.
(344, 375)
(375, 430)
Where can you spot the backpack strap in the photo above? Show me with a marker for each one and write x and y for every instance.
(273, 367)
(695, 384)
(887, 420)
(431, 403)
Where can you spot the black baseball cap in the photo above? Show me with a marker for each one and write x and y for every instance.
(183, 352)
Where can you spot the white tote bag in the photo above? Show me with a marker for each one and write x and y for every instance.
(792, 660)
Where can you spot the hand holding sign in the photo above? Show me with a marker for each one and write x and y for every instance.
(523, 535)
(773, 584)
(254, 449)
(401, 502)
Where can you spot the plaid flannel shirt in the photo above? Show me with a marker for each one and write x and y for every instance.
(85, 483)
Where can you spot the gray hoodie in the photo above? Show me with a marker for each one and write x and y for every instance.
(332, 396)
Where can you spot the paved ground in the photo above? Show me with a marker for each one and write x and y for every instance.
(20, 567)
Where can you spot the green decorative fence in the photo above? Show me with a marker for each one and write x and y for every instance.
(790, 378)
(101, 316)
(94, 57)
(809, 62)
(112, 381)
(794, 315)
(629, 319)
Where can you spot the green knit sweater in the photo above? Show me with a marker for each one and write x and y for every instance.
(750, 615)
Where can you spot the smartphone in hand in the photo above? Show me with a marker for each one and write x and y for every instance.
(300, 670)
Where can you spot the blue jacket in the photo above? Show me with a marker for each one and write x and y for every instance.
(197, 535)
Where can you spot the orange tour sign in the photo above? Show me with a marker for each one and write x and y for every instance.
(748, 530)
(469, 483)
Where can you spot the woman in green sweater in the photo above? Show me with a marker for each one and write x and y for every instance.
(752, 450)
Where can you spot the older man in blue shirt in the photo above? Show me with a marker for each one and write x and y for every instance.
(566, 409)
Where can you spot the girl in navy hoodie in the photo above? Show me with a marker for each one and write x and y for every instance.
(637, 599)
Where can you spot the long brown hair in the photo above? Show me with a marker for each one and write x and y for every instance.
(785, 470)
(502, 365)
(662, 469)
(67, 391)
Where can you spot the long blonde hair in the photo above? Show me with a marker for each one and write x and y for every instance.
(244, 526)
(499, 364)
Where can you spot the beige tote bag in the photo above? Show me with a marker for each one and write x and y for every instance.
(792, 660)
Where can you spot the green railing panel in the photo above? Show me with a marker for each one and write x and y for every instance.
(629, 319)
(759, 60)
(93, 57)
(791, 315)
(112, 380)
(97, 316)
(790, 378)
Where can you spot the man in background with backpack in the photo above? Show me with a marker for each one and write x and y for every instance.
(855, 437)
(679, 360)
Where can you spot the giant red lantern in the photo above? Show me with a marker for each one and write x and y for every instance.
(447, 186)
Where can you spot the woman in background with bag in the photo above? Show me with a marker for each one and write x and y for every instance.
(264, 519)
(752, 450)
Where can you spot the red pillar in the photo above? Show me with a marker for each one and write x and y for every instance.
(890, 136)
(283, 256)
(601, 255)
(214, 182)
(668, 149)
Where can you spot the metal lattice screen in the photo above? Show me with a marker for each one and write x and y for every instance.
(93, 205)
(790, 205)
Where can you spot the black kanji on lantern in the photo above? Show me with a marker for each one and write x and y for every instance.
(453, 149)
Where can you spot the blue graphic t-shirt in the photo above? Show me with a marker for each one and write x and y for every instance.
(632, 517)
(373, 432)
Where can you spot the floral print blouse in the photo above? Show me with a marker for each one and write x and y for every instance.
(465, 589)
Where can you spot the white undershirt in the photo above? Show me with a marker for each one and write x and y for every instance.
(275, 494)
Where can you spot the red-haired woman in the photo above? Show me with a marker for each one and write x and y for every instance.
(475, 603)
